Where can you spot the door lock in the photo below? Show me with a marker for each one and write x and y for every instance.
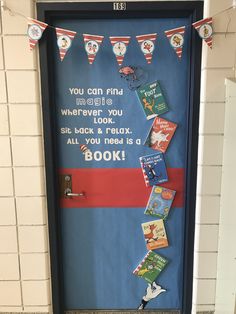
(66, 187)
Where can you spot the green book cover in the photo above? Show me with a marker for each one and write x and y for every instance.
(151, 266)
(152, 100)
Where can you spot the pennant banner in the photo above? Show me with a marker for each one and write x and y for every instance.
(92, 44)
(64, 40)
(176, 39)
(205, 30)
(120, 44)
(147, 45)
(35, 31)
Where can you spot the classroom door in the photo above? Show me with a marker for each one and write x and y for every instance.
(101, 129)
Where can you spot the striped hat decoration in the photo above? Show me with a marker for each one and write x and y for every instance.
(35, 31)
(205, 30)
(176, 39)
(92, 44)
(120, 44)
(64, 40)
(147, 45)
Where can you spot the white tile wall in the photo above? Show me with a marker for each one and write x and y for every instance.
(1, 55)
(208, 209)
(18, 43)
(206, 270)
(32, 239)
(34, 266)
(8, 239)
(9, 267)
(22, 86)
(6, 185)
(35, 292)
(31, 210)
(29, 181)
(207, 111)
(4, 127)
(5, 155)
(7, 211)
(206, 291)
(3, 95)
(13, 24)
(10, 293)
(209, 180)
(210, 149)
(25, 120)
(212, 86)
(27, 151)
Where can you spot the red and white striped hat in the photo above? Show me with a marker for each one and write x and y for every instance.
(92, 44)
(64, 40)
(147, 45)
(120, 44)
(35, 31)
(205, 30)
(176, 39)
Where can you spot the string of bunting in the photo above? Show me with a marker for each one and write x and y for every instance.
(119, 44)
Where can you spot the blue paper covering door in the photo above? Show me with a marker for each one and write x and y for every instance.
(103, 243)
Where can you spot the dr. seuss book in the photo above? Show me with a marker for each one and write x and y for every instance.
(155, 234)
(160, 202)
(152, 100)
(154, 169)
(151, 266)
(160, 134)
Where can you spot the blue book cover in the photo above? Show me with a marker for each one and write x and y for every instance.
(154, 169)
(160, 202)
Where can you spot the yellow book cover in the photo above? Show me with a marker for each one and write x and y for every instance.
(155, 234)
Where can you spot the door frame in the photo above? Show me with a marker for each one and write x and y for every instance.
(45, 13)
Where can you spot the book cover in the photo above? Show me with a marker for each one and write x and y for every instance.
(152, 100)
(160, 202)
(155, 234)
(160, 134)
(154, 169)
(151, 266)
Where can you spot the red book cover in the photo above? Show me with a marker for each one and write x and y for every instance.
(160, 134)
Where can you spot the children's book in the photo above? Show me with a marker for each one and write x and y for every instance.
(160, 134)
(155, 234)
(151, 266)
(154, 169)
(160, 202)
(152, 100)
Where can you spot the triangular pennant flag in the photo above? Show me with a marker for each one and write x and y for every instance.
(205, 30)
(176, 39)
(35, 31)
(147, 45)
(64, 40)
(120, 44)
(92, 44)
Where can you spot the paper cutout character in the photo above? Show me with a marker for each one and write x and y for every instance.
(120, 44)
(147, 45)
(158, 138)
(64, 40)
(176, 39)
(84, 149)
(135, 76)
(205, 30)
(35, 31)
(92, 44)
(152, 291)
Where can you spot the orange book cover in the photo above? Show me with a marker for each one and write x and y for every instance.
(155, 234)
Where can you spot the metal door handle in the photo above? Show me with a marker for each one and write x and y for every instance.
(74, 194)
(69, 193)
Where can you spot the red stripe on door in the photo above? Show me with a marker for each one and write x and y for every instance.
(119, 187)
